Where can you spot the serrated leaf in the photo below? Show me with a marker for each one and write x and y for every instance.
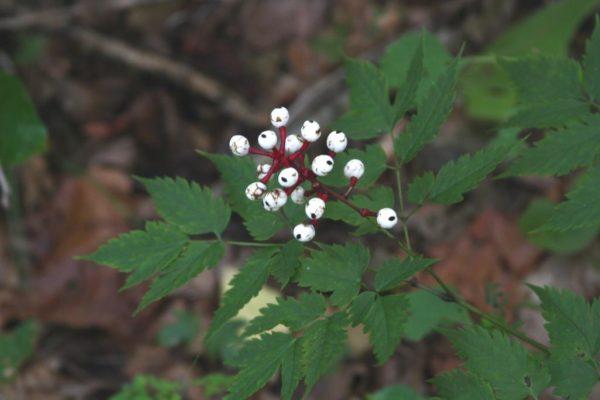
(262, 359)
(384, 323)
(560, 152)
(395, 271)
(459, 176)
(591, 64)
(461, 385)
(285, 263)
(23, 134)
(543, 79)
(322, 344)
(419, 188)
(195, 210)
(406, 95)
(573, 378)
(396, 392)
(431, 114)
(291, 312)
(336, 269)
(291, 370)
(572, 325)
(16, 347)
(369, 101)
(581, 209)
(518, 375)
(237, 173)
(244, 286)
(360, 307)
(555, 113)
(143, 253)
(373, 158)
(428, 312)
(536, 214)
(400, 66)
(194, 259)
(376, 199)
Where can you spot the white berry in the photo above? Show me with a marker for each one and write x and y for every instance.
(255, 190)
(315, 208)
(274, 200)
(387, 218)
(322, 165)
(354, 169)
(310, 131)
(337, 141)
(262, 170)
(267, 140)
(297, 195)
(280, 117)
(304, 232)
(293, 143)
(288, 177)
(239, 145)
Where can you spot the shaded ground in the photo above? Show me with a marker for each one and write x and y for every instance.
(204, 70)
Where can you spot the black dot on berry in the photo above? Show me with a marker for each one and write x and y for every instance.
(284, 179)
(263, 135)
(391, 218)
(298, 236)
(313, 216)
(329, 162)
(267, 204)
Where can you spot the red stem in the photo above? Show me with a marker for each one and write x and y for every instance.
(282, 137)
(259, 152)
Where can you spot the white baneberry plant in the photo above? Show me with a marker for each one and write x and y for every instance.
(284, 194)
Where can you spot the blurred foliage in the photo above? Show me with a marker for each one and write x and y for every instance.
(16, 347)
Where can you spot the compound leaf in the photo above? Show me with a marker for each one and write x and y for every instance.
(194, 259)
(286, 262)
(395, 271)
(461, 385)
(244, 286)
(419, 188)
(291, 370)
(573, 378)
(336, 269)
(323, 342)
(261, 360)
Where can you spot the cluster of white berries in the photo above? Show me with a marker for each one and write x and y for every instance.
(287, 158)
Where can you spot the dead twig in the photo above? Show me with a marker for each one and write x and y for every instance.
(178, 73)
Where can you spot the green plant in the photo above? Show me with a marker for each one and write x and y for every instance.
(343, 288)
(16, 347)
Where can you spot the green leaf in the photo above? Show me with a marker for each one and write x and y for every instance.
(148, 387)
(286, 262)
(396, 392)
(336, 269)
(238, 173)
(531, 35)
(322, 344)
(428, 312)
(540, 78)
(517, 376)
(23, 134)
(195, 210)
(369, 101)
(244, 286)
(573, 378)
(16, 347)
(462, 175)
(194, 259)
(360, 307)
(143, 253)
(460, 385)
(572, 324)
(372, 156)
(404, 67)
(406, 95)
(183, 330)
(291, 312)
(262, 358)
(393, 272)
(569, 241)
(431, 114)
(419, 188)
(376, 199)
(291, 370)
(581, 209)
(384, 323)
(548, 114)
(214, 384)
(560, 152)
(591, 64)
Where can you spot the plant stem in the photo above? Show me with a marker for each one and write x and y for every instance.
(401, 202)
(248, 244)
